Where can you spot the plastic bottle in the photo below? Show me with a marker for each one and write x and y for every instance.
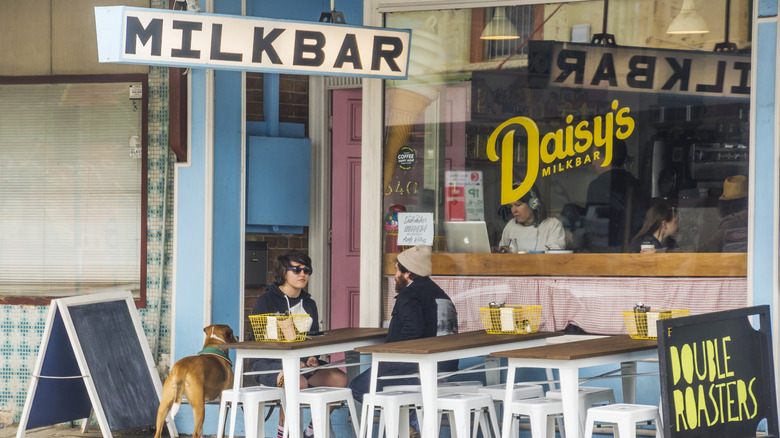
(513, 246)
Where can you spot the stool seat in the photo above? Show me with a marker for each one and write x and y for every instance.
(541, 412)
(253, 399)
(394, 412)
(626, 416)
(589, 396)
(319, 399)
(443, 387)
(459, 406)
(521, 391)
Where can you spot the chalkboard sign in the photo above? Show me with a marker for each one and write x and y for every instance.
(94, 356)
(717, 374)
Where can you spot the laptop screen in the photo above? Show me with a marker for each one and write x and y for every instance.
(467, 237)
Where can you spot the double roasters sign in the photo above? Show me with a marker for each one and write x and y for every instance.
(197, 40)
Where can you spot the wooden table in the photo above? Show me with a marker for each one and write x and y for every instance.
(428, 352)
(332, 341)
(568, 358)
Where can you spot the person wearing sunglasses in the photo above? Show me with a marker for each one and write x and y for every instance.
(286, 296)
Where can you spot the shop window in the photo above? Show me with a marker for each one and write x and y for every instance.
(466, 137)
(72, 178)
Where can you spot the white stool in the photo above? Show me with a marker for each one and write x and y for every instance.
(254, 400)
(541, 412)
(319, 399)
(588, 396)
(459, 408)
(396, 404)
(521, 391)
(626, 416)
(444, 387)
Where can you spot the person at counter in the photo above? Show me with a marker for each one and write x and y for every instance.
(286, 296)
(422, 310)
(657, 234)
(530, 229)
(731, 235)
(615, 198)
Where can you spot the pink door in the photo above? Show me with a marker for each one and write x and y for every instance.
(345, 209)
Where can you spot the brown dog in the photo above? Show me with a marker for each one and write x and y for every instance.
(201, 378)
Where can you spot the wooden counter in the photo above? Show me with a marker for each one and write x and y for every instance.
(603, 265)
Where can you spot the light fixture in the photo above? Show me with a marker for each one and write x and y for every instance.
(726, 45)
(688, 21)
(499, 27)
(333, 16)
(604, 38)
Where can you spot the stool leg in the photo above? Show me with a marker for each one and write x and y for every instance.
(627, 429)
(250, 419)
(589, 427)
(319, 419)
(354, 416)
(392, 421)
(561, 429)
(222, 417)
(493, 415)
(403, 421)
(462, 424)
(366, 423)
(658, 426)
(538, 426)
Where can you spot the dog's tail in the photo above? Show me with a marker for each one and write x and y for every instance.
(177, 388)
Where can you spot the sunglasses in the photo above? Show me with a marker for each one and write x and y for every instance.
(298, 269)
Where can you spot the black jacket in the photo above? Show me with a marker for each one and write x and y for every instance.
(422, 310)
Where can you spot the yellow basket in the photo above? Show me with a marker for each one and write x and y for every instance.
(511, 319)
(642, 325)
(270, 327)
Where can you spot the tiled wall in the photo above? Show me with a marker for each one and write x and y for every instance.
(22, 326)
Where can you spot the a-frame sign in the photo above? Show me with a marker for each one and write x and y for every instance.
(94, 357)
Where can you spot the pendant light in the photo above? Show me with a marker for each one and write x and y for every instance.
(688, 21)
(500, 27)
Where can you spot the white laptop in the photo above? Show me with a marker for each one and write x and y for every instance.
(466, 237)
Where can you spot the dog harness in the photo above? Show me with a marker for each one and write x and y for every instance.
(216, 351)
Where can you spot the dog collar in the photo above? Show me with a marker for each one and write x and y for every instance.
(216, 351)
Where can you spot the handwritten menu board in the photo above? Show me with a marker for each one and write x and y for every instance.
(415, 229)
(717, 374)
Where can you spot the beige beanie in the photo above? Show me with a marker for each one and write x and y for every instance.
(417, 259)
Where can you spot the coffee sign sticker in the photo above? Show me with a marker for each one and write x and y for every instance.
(415, 229)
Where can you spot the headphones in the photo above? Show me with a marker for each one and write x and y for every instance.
(533, 200)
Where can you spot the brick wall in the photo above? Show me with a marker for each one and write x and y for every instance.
(293, 98)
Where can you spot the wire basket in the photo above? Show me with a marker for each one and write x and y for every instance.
(270, 327)
(642, 325)
(511, 319)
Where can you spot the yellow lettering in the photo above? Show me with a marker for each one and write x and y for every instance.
(578, 161)
(686, 362)
(719, 387)
(726, 358)
(624, 122)
(715, 404)
(679, 410)
(569, 137)
(690, 408)
(674, 356)
(582, 133)
(509, 194)
(742, 399)
(702, 406)
(730, 402)
(556, 138)
(587, 159)
(711, 360)
(546, 172)
(753, 397)
(701, 366)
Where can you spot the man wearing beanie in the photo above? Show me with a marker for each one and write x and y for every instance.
(421, 310)
(731, 235)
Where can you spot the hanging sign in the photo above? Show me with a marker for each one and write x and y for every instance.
(415, 229)
(717, 374)
(638, 69)
(169, 38)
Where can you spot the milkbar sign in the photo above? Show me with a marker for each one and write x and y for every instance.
(196, 40)
(639, 69)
